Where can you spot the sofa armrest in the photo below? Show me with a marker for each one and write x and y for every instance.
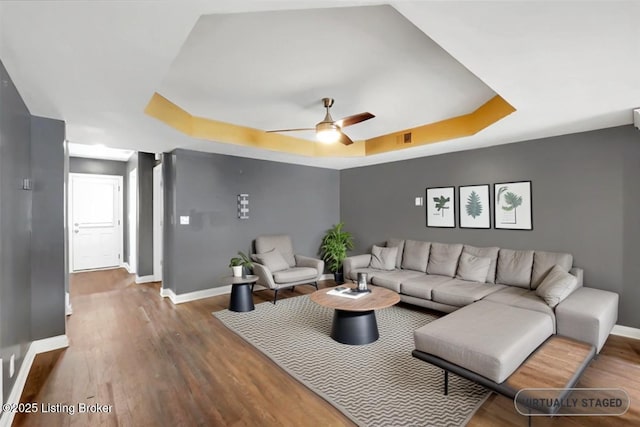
(265, 278)
(587, 315)
(579, 273)
(305, 261)
(353, 262)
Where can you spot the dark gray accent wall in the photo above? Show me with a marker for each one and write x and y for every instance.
(169, 230)
(48, 272)
(301, 201)
(585, 201)
(146, 162)
(15, 228)
(108, 167)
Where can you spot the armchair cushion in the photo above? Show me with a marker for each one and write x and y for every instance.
(281, 242)
(295, 274)
(273, 260)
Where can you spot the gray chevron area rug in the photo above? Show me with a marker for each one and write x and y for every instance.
(378, 384)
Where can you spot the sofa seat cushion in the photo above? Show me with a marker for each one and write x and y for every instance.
(462, 292)
(522, 298)
(371, 273)
(443, 259)
(393, 279)
(295, 274)
(423, 285)
(485, 337)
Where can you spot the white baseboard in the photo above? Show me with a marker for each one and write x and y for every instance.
(36, 347)
(127, 267)
(327, 276)
(145, 279)
(68, 309)
(626, 331)
(192, 296)
(167, 293)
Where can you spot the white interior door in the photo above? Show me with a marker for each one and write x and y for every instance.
(96, 221)
(158, 213)
(133, 221)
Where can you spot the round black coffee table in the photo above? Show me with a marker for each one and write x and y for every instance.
(354, 320)
(241, 298)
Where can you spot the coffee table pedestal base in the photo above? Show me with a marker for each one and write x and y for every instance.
(354, 327)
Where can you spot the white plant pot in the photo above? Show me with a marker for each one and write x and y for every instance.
(237, 270)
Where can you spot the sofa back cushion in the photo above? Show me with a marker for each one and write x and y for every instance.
(416, 255)
(443, 259)
(514, 268)
(383, 258)
(473, 268)
(543, 262)
(490, 252)
(398, 243)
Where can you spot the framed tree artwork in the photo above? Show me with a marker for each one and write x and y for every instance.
(513, 206)
(441, 207)
(475, 206)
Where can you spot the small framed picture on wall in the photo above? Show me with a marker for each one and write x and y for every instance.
(441, 207)
(475, 206)
(513, 206)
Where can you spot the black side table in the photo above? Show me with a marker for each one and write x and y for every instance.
(241, 298)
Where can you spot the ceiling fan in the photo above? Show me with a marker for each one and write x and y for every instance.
(329, 130)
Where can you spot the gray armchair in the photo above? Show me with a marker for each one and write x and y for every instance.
(278, 268)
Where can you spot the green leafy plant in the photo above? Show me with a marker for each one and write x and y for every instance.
(334, 247)
(474, 205)
(512, 201)
(500, 191)
(242, 260)
(441, 203)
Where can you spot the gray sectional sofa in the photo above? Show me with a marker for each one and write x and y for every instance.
(504, 303)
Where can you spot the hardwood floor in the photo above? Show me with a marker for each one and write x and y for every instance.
(160, 364)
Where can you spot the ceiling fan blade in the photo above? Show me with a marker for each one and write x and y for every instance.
(344, 139)
(289, 130)
(352, 120)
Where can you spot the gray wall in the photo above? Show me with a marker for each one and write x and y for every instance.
(15, 226)
(299, 200)
(108, 167)
(585, 201)
(48, 272)
(146, 162)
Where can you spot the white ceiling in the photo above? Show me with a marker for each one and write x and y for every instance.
(565, 66)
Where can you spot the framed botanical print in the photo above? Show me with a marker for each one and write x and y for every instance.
(441, 207)
(513, 206)
(475, 206)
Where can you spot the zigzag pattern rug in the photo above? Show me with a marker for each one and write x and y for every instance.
(378, 384)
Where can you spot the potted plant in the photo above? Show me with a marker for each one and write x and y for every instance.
(333, 250)
(240, 263)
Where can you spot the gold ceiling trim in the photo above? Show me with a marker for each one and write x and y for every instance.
(199, 127)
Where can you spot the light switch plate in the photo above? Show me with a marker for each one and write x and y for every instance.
(419, 201)
(184, 220)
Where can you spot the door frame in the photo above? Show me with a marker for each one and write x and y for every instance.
(70, 216)
(132, 216)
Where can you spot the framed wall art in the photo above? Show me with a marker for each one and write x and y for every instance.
(475, 206)
(441, 207)
(513, 208)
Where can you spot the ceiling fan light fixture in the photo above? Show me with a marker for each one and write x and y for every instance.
(327, 133)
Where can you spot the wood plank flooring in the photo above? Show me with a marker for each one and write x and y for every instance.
(159, 364)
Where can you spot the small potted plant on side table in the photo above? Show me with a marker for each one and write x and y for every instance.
(335, 245)
(240, 264)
